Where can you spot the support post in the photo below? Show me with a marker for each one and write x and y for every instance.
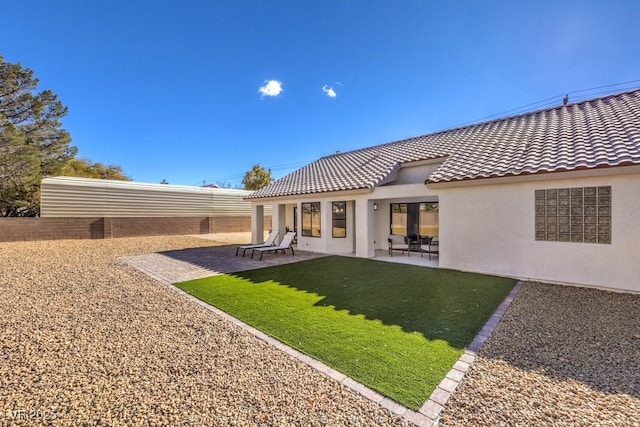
(257, 223)
(365, 228)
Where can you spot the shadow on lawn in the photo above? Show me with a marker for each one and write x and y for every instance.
(440, 304)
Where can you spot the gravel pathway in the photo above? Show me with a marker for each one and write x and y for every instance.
(87, 340)
(561, 356)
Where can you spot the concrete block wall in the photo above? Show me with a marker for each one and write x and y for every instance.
(22, 229)
(17, 229)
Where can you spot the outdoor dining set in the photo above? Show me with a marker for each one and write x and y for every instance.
(415, 243)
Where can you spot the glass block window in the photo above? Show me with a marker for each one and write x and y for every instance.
(574, 214)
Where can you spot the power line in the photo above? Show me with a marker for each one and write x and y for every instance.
(279, 167)
(541, 104)
(547, 102)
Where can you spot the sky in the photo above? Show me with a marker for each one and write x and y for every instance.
(196, 92)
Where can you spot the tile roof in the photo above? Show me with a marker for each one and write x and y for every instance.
(601, 132)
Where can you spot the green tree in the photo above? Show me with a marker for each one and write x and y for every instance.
(257, 178)
(85, 168)
(32, 142)
(19, 175)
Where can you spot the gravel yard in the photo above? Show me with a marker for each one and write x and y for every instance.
(561, 356)
(87, 340)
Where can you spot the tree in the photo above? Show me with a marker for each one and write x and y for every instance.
(87, 169)
(257, 178)
(19, 174)
(32, 142)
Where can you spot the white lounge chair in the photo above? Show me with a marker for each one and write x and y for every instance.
(287, 240)
(271, 239)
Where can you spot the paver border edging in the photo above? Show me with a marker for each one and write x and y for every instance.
(433, 407)
(429, 413)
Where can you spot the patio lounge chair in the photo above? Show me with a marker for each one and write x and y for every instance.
(283, 246)
(397, 243)
(271, 239)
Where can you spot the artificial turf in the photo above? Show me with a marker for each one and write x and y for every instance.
(393, 327)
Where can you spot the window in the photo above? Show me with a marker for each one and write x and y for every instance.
(573, 214)
(339, 219)
(311, 219)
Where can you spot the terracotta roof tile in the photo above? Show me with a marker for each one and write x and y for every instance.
(602, 132)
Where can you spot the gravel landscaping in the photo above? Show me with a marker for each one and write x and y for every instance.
(561, 356)
(88, 340)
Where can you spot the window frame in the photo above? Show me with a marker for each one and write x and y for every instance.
(312, 209)
(402, 209)
(342, 219)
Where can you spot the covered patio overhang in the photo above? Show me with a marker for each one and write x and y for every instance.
(353, 223)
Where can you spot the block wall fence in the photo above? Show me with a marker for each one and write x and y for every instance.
(55, 228)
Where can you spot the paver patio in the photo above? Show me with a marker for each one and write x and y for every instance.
(188, 264)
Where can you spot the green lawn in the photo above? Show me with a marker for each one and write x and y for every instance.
(396, 328)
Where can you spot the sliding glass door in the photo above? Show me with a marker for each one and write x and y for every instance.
(414, 219)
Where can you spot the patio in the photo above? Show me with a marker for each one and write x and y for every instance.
(413, 259)
(195, 263)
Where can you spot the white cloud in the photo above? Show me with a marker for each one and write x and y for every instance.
(271, 88)
(329, 91)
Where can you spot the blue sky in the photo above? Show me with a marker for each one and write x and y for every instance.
(171, 89)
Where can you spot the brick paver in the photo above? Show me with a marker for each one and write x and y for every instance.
(195, 263)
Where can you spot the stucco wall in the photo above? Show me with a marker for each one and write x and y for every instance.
(417, 174)
(490, 229)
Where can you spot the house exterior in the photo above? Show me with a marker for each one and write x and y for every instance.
(551, 195)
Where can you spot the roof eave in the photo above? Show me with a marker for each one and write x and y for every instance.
(559, 173)
(348, 191)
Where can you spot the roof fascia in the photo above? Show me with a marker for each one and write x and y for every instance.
(541, 176)
(308, 196)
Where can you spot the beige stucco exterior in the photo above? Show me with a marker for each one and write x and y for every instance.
(490, 229)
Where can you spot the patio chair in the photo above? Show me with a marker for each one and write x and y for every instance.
(397, 243)
(283, 246)
(271, 240)
(434, 246)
